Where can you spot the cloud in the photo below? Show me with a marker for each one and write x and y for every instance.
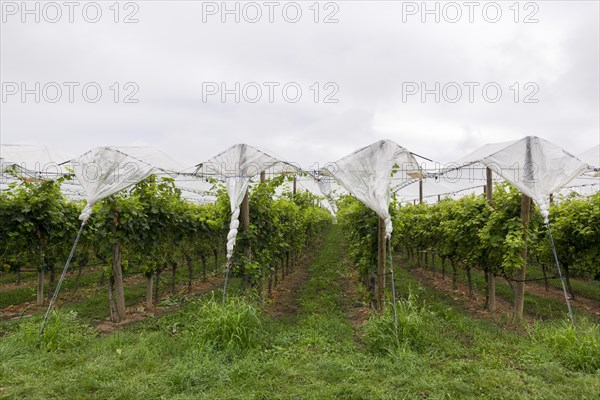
(367, 58)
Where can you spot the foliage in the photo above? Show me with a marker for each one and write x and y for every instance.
(279, 226)
(359, 225)
(502, 236)
(36, 225)
(575, 224)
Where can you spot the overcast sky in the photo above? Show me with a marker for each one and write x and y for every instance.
(373, 63)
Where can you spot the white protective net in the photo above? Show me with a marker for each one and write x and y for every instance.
(592, 158)
(367, 174)
(104, 171)
(533, 165)
(236, 166)
(32, 162)
(538, 172)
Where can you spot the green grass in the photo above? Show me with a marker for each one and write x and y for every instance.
(311, 355)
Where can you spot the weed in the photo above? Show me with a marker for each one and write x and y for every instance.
(235, 325)
(577, 349)
(380, 334)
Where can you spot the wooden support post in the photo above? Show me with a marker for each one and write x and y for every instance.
(525, 212)
(420, 191)
(489, 185)
(262, 176)
(40, 287)
(294, 187)
(439, 198)
(381, 264)
(522, 273)
(245, 224)
(149, 290)
(490, 278)
(245, 211)
(117, 270)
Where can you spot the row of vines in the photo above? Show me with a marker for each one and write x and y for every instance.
(470, 233)
(151, 230)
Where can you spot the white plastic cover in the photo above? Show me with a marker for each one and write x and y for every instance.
(367, 174)
(456, 183)
(104, 171)
(533, 165)
(153, 156)
(32, 161)
(236, 165)
(592, 158)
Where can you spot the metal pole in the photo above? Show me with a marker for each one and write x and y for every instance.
(227, 267)
(393, 286)
(62, 277)
(562, 282)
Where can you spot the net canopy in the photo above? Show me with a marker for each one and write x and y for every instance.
(592, 158)
(536, 167)
(151, 155)
(104, 171)
(457, 183)
(32, 162)
(533, 165)
(236, 166)
(367, 174)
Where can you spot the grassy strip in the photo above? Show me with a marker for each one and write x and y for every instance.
(538, 307)
(90, 279)
(590, 289)
(9, 277)
(28, 293)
